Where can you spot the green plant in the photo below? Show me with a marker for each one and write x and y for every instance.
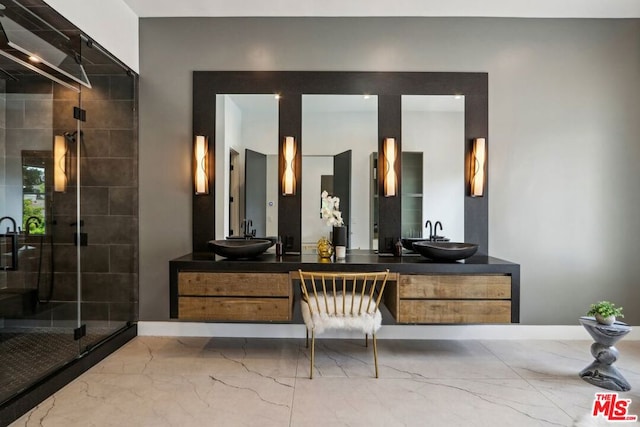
(605, 309)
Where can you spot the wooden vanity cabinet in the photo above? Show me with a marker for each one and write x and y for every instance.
(483, 289)
(450, 298)
(256, 297)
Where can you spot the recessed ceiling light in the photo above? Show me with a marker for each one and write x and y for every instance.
(34, 58)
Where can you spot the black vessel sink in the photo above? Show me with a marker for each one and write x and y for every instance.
(236, 248)
(407, 242)
(274, 239)
(445, 251)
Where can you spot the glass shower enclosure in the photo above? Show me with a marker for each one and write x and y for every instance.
(68, 195)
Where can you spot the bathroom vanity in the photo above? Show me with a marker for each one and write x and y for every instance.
(481, 289)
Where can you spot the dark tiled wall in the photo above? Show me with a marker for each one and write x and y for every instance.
(3, 274)
(108, 201)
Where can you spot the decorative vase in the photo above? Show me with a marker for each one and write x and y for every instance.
(325, 250)
(340, 241)
(605, 320)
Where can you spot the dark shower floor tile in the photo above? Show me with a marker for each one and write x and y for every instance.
(28, 354)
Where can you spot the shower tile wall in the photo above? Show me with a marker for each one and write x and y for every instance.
(3, 201)
(109, 201)
(26, 126)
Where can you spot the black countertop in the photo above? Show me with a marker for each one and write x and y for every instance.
(356, 260)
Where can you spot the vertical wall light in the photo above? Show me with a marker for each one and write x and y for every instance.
(60, 164)
(478, 161)
(288, 174)
(390, 176)
(201, 164)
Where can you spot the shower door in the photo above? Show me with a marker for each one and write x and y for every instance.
(68, 196)
(108, 170)
(39, 286)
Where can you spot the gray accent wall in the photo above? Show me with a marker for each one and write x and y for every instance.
(564, 135)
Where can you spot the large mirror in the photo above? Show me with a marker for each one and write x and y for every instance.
(433, 165)
(445, 198)
(339, 133)
(246, 165)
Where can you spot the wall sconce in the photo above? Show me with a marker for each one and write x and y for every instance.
(390, 176)
(59, 164)
(201, 165)
(478, 161)
(288, 175)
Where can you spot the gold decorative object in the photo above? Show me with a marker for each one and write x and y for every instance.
(325, 249)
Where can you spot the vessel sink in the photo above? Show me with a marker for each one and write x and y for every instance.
(236, 248)
(407, 242)
(273, 239)
(445, 251)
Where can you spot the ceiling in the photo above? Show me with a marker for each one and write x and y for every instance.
(354, 8)
(32, 28)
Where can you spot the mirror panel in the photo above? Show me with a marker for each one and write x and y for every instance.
(333, 125)
(246, 128)
(433, 146)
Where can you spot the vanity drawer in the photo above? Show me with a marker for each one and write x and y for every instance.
(454, 311)
(233, 284)
(235, 309)
(259, 297)
(455, 286)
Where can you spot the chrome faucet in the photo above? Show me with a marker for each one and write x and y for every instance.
(13, 221)
(430, 227)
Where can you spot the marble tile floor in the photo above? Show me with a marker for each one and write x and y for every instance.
(162, 381)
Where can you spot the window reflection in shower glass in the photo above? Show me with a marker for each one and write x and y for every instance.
(34, 196)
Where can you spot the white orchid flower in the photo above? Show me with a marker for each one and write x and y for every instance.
(330, 210)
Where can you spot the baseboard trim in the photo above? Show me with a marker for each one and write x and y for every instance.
(420, 332)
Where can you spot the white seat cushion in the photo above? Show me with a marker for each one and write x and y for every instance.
(367, 323)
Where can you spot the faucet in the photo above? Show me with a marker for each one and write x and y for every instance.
(246, 226)
(13, 236)
(430, 227)
(13, 221)
(435, 230)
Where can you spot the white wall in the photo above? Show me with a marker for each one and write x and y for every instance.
(110, 23)
(564, 102)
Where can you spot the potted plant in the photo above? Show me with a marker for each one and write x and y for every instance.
(605, 312)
